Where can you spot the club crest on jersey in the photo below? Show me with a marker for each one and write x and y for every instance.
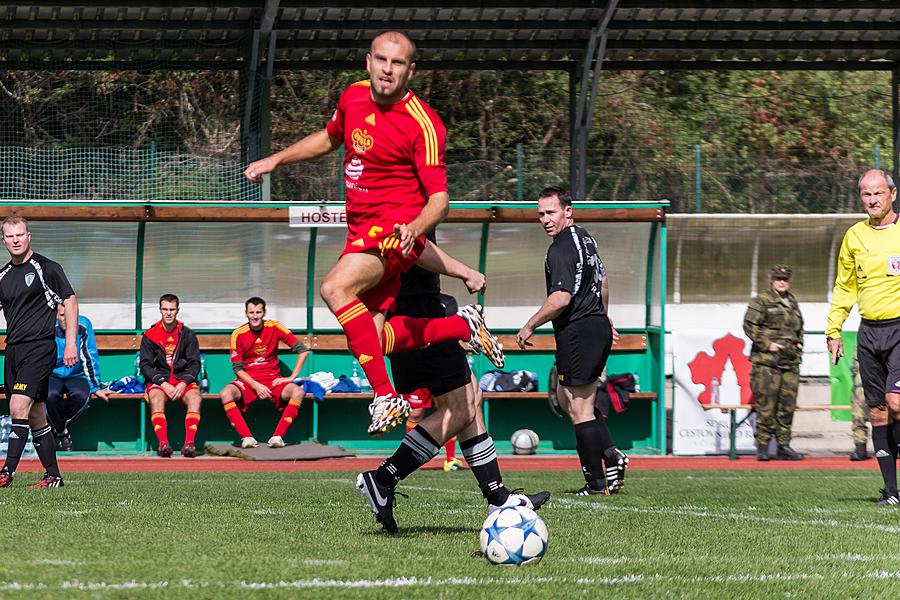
(362, 141)
(354, 168)
(893, 266)
(29, 277)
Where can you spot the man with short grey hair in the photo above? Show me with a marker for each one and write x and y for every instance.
(868, 275)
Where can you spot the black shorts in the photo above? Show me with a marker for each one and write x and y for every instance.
(27, 367)
(582, 348)
(878, 349)
(441, 368)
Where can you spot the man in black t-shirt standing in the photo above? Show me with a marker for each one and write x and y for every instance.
(577, 302)
(31, 287)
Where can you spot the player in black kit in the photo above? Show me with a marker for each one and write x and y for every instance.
(577, 302)
(31, 287)
(441, 369)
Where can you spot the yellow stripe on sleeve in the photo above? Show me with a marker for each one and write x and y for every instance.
(417, 111)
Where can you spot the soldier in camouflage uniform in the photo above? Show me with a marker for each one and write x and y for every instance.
(859, 426)
(774, 324)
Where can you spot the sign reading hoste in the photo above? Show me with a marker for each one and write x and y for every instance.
(318, 216)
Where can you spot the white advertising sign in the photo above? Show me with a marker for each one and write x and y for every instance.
(710, 363)
(318, 216)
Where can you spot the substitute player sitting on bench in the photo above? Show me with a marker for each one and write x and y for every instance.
(170, 364)
(254, 358)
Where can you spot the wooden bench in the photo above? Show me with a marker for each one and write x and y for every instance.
(488, 397)
(338, 342)
(734, 423)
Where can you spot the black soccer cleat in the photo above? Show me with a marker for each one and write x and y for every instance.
(888, 499)
(165, 450)
(860, 453)
(381, 500)
(616, 462)
(49, 481)
(517, 497)
(587, 490)
(6, 478)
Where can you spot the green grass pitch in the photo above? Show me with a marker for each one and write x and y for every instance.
(731, 534)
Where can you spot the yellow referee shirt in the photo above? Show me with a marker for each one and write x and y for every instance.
(868, 275)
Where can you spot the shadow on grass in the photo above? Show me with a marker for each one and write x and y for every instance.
(422, 530)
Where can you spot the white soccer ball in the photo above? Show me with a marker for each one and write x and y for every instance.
(513, 536)
(524, 441)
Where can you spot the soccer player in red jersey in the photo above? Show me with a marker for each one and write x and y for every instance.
(254, 358)
(170, 364)
(396, 183)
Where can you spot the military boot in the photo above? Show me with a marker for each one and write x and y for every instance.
(787, 453)
(860, 453)
(762, 451)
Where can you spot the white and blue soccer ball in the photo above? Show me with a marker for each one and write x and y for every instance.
(514, 536)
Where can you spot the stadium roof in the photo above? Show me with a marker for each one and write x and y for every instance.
(317, 34)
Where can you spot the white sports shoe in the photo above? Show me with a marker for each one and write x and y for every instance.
(276, 441)
(481, 340)
(249, 442)
(387, 412)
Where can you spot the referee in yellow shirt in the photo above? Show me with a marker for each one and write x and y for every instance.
(869, 275)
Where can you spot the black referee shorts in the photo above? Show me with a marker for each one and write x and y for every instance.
(27, 367)
(582, 348)
(878, 349)
(441, 368)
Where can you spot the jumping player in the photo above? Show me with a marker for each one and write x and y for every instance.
(31, 287)
(254, 358)
(443, 371)
(170, 364)
(396, 182)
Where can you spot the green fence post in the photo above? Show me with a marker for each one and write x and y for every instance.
(154, 185)
(138, 317)
(310, 299)
(698, 180)
(341, 187)
(520, 172)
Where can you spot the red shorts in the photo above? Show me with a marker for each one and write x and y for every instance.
(421, 398)
(379, 237)
(172, 381)
(248, 395)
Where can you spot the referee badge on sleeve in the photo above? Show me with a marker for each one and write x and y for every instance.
(893, 266)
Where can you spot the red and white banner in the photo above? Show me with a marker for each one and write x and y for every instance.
(709, 363)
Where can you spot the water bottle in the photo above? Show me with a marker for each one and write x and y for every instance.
(137, 365)
(637, 382)
(471, 360)
(204, 380)
(714, 391)
(354, 375)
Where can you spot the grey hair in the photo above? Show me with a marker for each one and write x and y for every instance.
(885, 174)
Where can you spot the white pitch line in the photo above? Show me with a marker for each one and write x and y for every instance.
(414, 582)
(704, 513)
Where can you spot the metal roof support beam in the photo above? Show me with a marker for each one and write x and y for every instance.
(256, 77)
(895, 120)
(580, 127)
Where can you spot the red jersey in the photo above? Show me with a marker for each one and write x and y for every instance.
(394, 158)
(258, 350)
(167, 340)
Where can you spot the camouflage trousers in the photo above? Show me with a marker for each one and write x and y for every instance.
(860, 409)
(775, 391)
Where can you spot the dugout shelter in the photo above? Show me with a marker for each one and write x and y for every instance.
(141, 211)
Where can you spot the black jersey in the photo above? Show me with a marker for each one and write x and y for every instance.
(29, 294)
(573, 265)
